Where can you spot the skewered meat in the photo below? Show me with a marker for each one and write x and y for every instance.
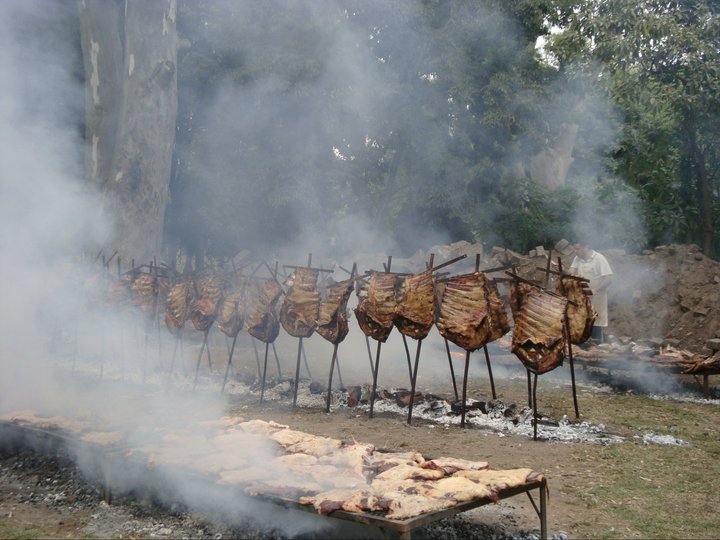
(299, 311)
(580, 313)
(204, 309)
(232, 311)
(144, 289)
(177, 307)
(464, 317)
(376, 309)
(263, 323)
(538, 337)
(415, 312)
(332, 322)
(518, 291)
(499, 323)
(118, 293)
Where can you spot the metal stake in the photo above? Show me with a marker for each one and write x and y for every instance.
(414, 379)
(375, 375)
(452, 369)
(332, 368)
(465, 378)
(227, 368)
(534, 398)
(262, 387)
(492, 381)
(297, 372)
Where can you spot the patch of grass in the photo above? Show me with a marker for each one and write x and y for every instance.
(10, 532)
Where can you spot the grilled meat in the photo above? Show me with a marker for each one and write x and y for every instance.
(538, 338)
(580, 313)
(177, 306)
(299, 311)
(464, 317)
(332, 322)
(375, 311)
(499, 323)
(232, 311)
(263, 323)
(415, 313)
(204, 308)
(518, 291)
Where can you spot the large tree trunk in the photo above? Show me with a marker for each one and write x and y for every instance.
(549, 167)
(130, 55)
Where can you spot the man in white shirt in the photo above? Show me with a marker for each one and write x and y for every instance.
(593, 266)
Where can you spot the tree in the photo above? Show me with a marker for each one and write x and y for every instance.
(130, 57)
(660, 61)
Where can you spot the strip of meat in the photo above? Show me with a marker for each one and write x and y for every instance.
(404, 506)
(376, 309)
(382, 461)
(204, 309)
(263, 323)
(464, 317)
(499, 480)
(232, 309)
(177, 306)
(332, 323)
(349, 500)
(452, 465)
(299, 311)
(538, 337)
(415, 313)
(458, 489)
(518, 291)
(499, 322)
(580, 313)
(407, 472)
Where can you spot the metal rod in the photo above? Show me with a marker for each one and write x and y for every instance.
(277, 361)
(414, 379)
(492, 381)
(174, 354)
(264, 373)
(229, 363)
(535, 419)
(572, 370)
(375, 376)
(543, 511)
(407, 355)
(337, 361)
(297, 372)
(257, 356)
(197, 366)
(529, 382)
(370, 357)
(464, 398)
(547, 269)
(452, 369)
(706, 386)
(307, 367)
(332, 368)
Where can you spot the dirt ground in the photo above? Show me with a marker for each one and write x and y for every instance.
(38, 498)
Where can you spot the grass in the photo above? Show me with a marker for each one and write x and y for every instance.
(642, 490)
(15, 533)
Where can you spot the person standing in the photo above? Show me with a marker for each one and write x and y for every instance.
(593, 266)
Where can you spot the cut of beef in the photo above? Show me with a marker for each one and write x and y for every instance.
(415, 313)
(464, 317)
(299, 311)
(332, 323)
(263, 323)
(375, 311)
(538, 338)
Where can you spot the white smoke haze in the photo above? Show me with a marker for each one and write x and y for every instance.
(63, 353)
